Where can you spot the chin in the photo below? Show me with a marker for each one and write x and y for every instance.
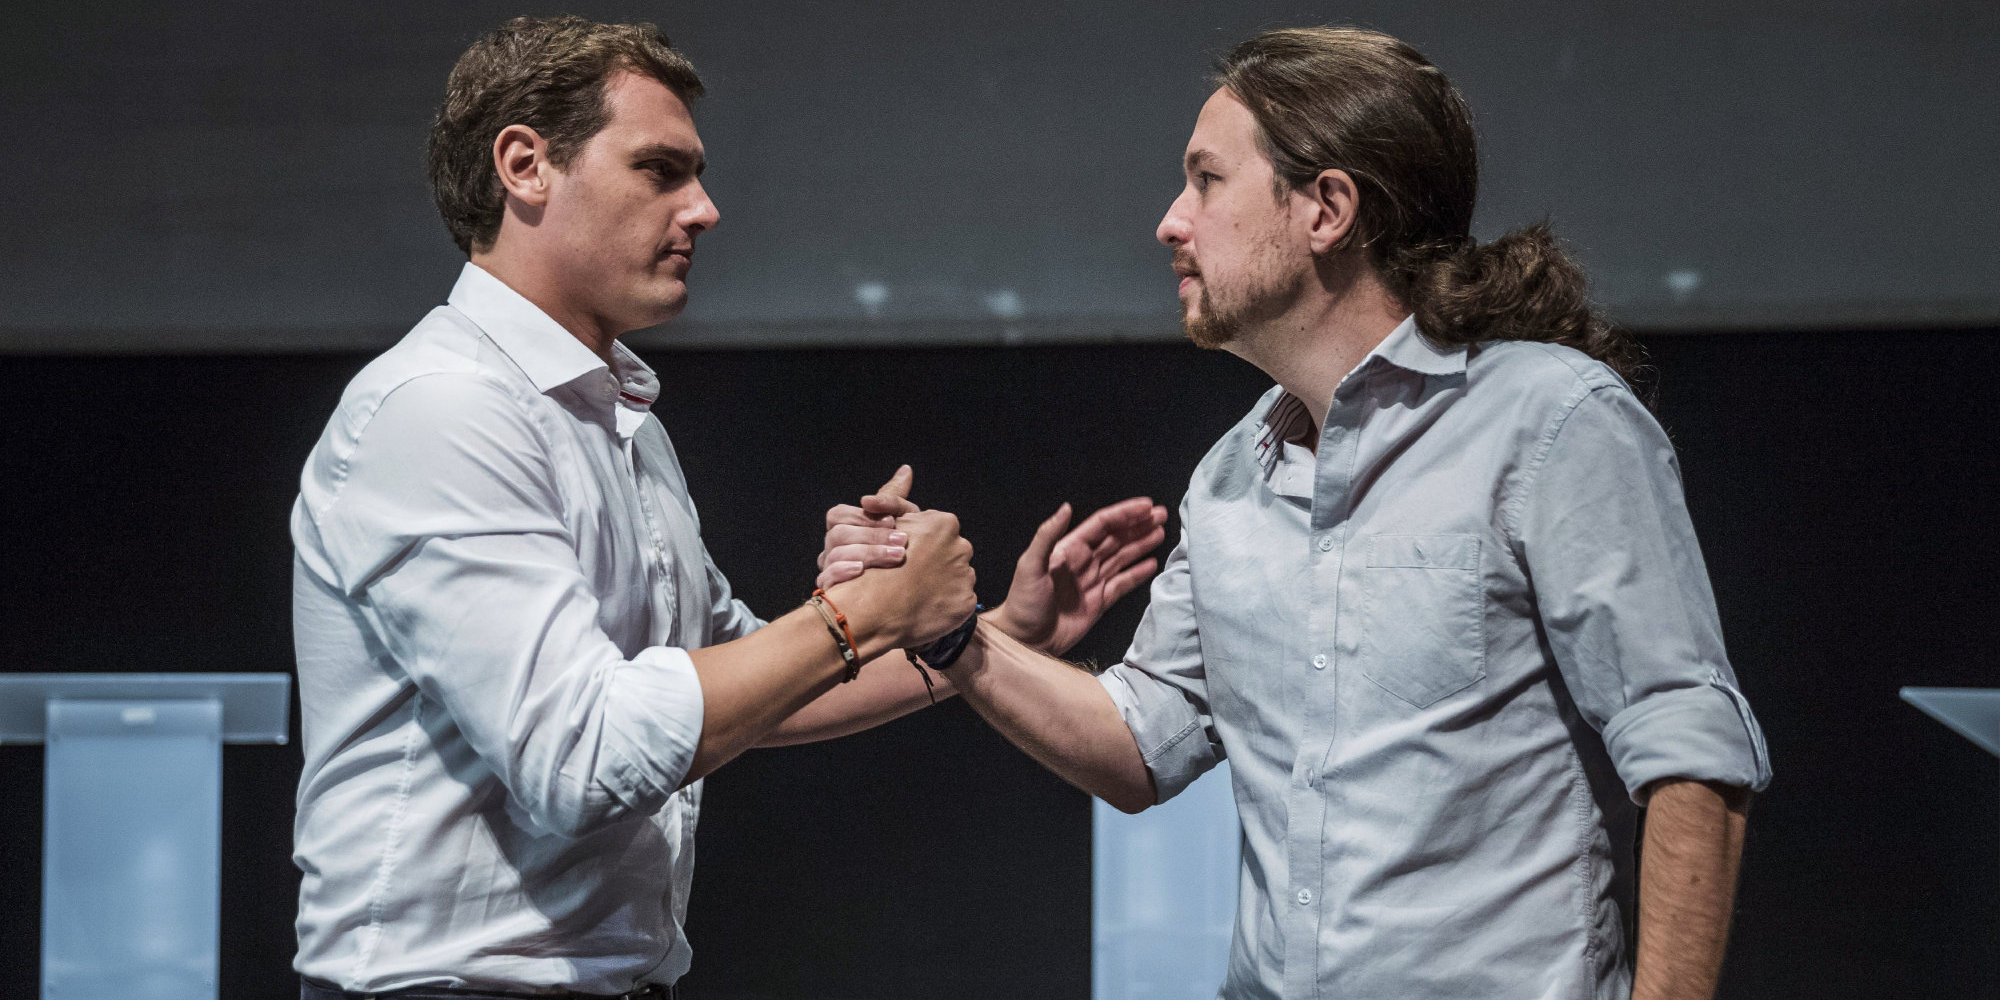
(663, 306)
(1206, 329)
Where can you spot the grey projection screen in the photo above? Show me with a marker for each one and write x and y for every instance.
(248, 177)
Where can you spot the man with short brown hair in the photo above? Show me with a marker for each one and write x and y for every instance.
(516, 660)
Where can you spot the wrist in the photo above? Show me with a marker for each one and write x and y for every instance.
(1003, 619)
(941, 653)
(872, 622)
(1029, 634)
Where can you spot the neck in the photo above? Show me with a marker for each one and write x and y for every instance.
(541, 286)
(1315, 344)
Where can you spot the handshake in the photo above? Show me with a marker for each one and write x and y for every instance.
(909, 572)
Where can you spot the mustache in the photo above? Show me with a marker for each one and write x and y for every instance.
(1184, 264)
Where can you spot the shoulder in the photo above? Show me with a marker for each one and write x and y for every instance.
(1231, 465)
(443, 370)
(1534, 387)
(1549, 372)
(439, 383)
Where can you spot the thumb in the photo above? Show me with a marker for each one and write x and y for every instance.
(1037, 554)
(898, 485)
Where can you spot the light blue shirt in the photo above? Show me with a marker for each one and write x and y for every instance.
(498, 575)
(1444, 655)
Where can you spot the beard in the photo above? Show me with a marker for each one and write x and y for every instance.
(1268, 292)
(1210, 329)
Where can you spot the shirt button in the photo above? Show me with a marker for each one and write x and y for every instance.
(1305, 897)
(1326, 543)
(1319, 662)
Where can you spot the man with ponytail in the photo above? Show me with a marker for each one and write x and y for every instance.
(1437, 596)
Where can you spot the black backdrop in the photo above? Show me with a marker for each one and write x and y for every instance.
(1842, 484)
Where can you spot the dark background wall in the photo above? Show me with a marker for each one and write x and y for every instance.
(1842, 485)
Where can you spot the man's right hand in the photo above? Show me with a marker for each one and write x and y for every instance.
(860, 539)
(927, 596)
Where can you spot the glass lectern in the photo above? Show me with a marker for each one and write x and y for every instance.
(132, 834)
(1973, 713)
(1163, 894)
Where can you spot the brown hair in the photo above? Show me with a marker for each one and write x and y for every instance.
(1368, 104)
(545, 73)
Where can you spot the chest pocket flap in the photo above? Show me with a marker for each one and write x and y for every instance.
(1423, 634)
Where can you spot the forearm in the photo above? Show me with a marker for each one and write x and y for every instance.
(888, 689)
(1687, 886)
(752, 685)
(1057, 714)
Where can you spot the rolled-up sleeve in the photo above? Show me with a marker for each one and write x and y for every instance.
(1160, 688)
(448, 531)
(1624, 597)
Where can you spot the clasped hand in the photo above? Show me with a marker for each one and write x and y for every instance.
(1062, 582)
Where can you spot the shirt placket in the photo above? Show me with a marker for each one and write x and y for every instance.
(655, 554)
(1306, 843)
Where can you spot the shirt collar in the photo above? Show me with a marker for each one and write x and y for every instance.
(1408, 347)
(548, 354)
(1405, 347)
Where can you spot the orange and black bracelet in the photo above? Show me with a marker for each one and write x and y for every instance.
(836, 623)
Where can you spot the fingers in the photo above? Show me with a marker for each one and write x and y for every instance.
(876, 505)
(1131, 552)
(866, 556)
(898, 485)
(854, 535)
(1124, 520)
(841, 535)
(850, 514)
(881, 507)
(1125, 582)
(838, 572)
(894, 496)
(1111, 558)
(928, 524)
(1036, 556)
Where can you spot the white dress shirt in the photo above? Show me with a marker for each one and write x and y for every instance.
(498, 573)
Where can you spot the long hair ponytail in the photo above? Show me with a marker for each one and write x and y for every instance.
(1368, 104)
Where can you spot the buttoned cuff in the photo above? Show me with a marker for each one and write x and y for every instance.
(1173, 737)
(1703, 733)
(653, 715)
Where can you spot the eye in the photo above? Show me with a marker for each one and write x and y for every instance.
(1202, 179)
(665, 173)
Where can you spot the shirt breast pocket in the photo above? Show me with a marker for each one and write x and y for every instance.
(1423, 634)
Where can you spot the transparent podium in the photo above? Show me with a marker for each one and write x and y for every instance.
(1973, 713)
(1163, 894)
(132, 821)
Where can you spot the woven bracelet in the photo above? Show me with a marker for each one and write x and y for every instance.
(836, 624)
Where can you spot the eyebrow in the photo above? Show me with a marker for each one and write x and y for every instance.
(1200, 158)
(682, 157)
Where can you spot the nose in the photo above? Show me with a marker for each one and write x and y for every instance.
(1174, 229)
(701, 214)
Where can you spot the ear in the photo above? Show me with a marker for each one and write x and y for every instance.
(1332, 203)
(521, 159)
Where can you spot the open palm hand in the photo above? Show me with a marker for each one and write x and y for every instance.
(1064, 582)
